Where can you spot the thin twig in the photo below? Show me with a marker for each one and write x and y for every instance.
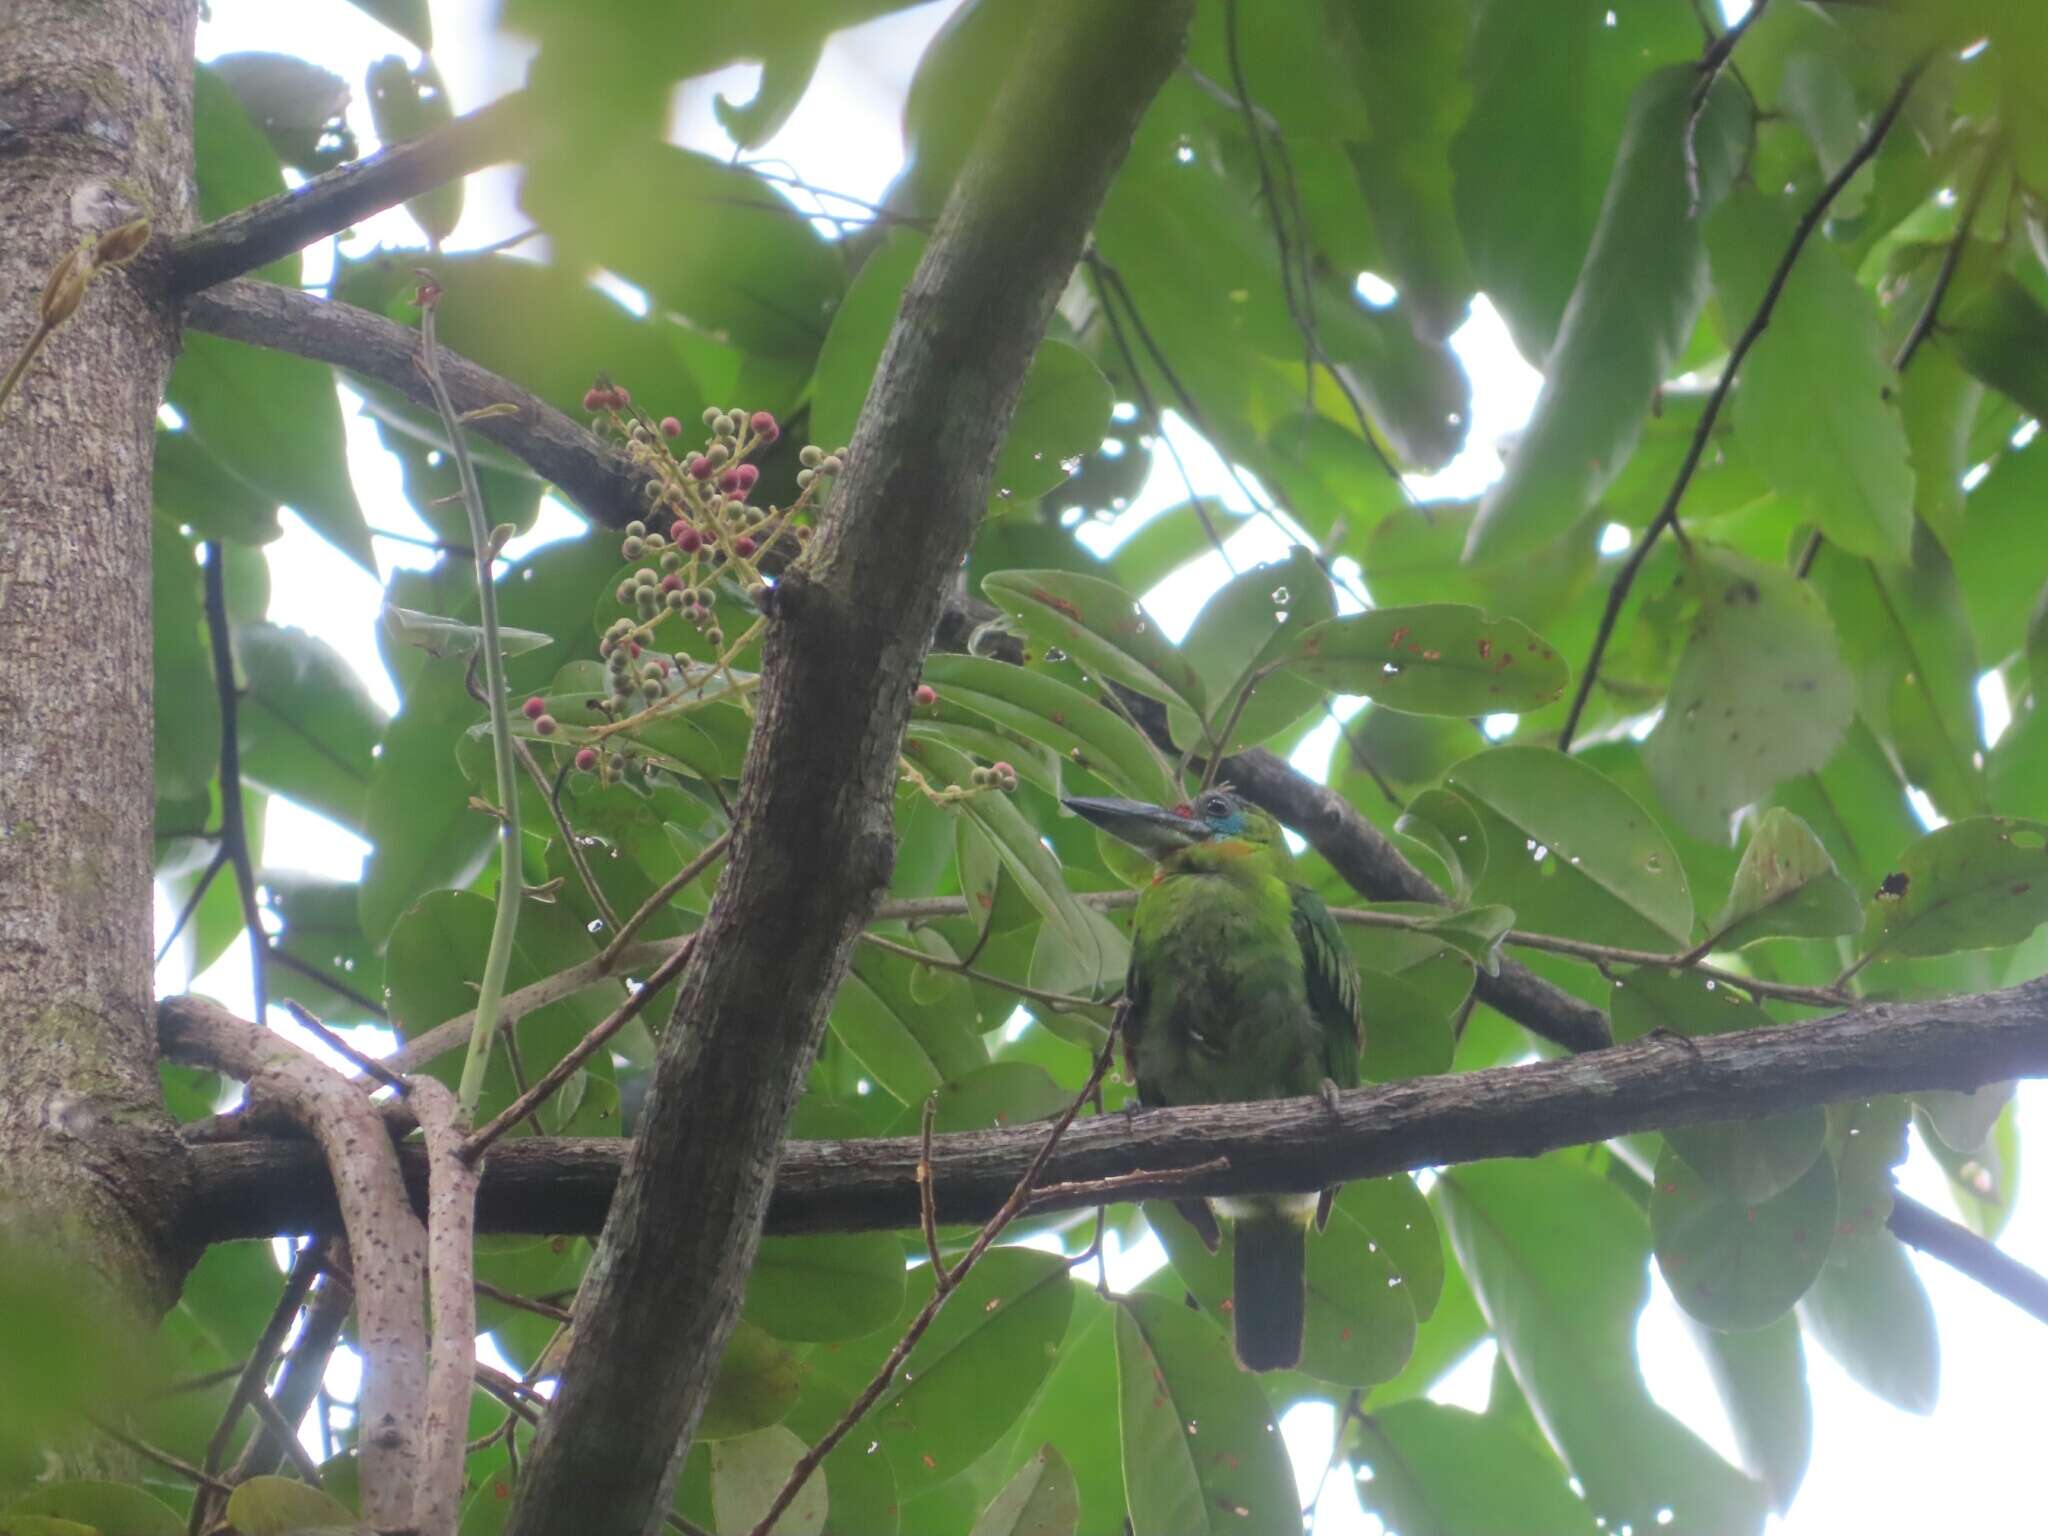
(234, 822)
(1082, 1191)
(255, 1371)
(479, 1142)
(1952, 257)
(531, 1304)
(1979, 1258)
(214, 866)
(511, 877)
(927, 1198)
(662, 897)
(288, 1436)
(1711, 62)
(552, 794)
(1058, 1002)
(279, 955)
(1667, 514)
(161, 1457)
(369, 1066)
(945, 1281)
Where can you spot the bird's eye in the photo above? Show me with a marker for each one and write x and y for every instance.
(1215, 805)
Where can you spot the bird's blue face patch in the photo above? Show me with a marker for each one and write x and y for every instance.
(1218, 812)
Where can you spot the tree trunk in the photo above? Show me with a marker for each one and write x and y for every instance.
(95, 130)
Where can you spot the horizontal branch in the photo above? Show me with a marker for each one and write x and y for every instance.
(559, 450)
(540, 1184)
(257, 235)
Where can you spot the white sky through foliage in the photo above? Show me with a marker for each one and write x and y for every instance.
(1975, 1465)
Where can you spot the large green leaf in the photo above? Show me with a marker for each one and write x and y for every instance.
(1432, 659)
(1999, 332)
(1062, 413)
(757, 1384)
(404, 104)
(417, 811)
(1103, 629)
(1555, 1256)
(1761, 694)
(1732, 1264)
(1201, 1453)
(1041, 1500)
(1076, 1412)
(1086, 732)
(825, 1288)
(1761, 1379)
(1423, 1458)
(232, 162)
(187, 707)
(190, 488)
(98, 1507)
(1632, 308)
(281, 1506)
(1870, 1311)
(909, 1047)
(746, 1475)
(1785, 886)
(1551, 91)
(1998, 591)
(1248, 624)
(1605, 864)
(308, 725)
(1975, 884)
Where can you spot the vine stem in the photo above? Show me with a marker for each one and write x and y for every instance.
(1667, 514)
(511, 875)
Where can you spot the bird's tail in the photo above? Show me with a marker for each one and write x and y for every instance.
(1270, 1291)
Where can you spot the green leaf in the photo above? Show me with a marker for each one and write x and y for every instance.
(1981, 883)
(1632, 309)
(1999, 332)
(1551, 92)
(405, 103)
(1086, 732)
(190, 488)
(1432, 659)
(1964, 1121)
(1760, 694)
(416, 812)
(451, 638)
(1003, 1093)
(1732, 1264)
(1554, 1254)
(1062, 413)
(1785, 886)
(323, 933)
(1761, 1379)
(1982, 1185)
(860, 329)
(1041, 1500)
(274, 422)
(908, 1047)
(187, 705)
(101, 1507)
(281, 1506)
(746, 1475)
(1247, 625)
(1105, 632)
(1998, 593)
(1202, 1455)
(1422, 1457)
(1407, 1031)
(757, 1384)
(1450, 829)
(825, 1288)
(307, 722)
(1614, 871)
(232, 161)
(1870, 1311)
(1747, 1160)
(1813, 404)
(1076, 1412)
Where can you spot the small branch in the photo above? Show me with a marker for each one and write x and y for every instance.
(279, 955)
(161, 1457)
(552, 794)
(1951, 258)
(944, 1283)
(257, 235)
(511, 877)
(1058, 1002)
(1099, 1192)
(255, 1371)
(1960, 1248)
(574, 1058)
(234, 839)
(668, 892)
(305, 1368)
(451, 1278)
(205, 883)
(1718, 53)
(287, 1433)
(927, 1197)
(524, 1303)
(1667, 514)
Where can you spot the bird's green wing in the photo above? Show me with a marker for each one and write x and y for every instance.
(1332, 986)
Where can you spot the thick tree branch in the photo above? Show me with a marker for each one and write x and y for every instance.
(559, 450)
(257, 235)
(255, 1188)
(813, 842)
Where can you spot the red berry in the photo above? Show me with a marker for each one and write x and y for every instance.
(763, 422)
(743, 546)
(678, 528)
(670, 427)
(594, 399)
(586, 759)
(729, 481)
(534, 708)
(689, 541)
(1005, 771)
(925, 693)
(747, 474)
(621, 397)
(544, 725)
(671, 583)
(700, 468)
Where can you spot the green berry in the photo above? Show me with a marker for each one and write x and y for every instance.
(811, 457)
(632, 548)
(635, 528)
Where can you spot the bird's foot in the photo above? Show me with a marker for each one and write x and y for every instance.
(1327, 1092)
(1671, 1036)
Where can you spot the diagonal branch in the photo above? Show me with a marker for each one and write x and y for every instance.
(234, 823)
(813, 842)
(537, 1184)
(257, 235)
(1667, 514)
(1981, 1259)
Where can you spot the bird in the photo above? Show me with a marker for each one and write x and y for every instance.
(1240, 987)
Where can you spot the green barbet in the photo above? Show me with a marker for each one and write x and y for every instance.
(1240, 988)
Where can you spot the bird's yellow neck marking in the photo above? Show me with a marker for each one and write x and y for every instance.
(1228, 855)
